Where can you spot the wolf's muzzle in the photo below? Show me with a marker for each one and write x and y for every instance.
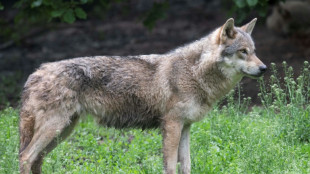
(263, 68)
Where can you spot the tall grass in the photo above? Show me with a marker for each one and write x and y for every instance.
(9, 141)
(271, 138)
(289, 101)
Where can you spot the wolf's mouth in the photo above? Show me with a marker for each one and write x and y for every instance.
(253, 76)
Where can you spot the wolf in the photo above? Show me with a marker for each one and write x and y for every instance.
(168, 91)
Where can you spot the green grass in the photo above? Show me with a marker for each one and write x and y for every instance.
(272, 138)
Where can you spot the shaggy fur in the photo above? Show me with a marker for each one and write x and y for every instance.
(168, 91)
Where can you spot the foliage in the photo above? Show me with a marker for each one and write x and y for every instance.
(290, 101)
(31, 13)
(242, 8)
(156, 13)
(47, 10)
(273, 138)
(41, 12)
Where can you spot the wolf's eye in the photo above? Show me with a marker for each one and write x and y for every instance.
(244, 51)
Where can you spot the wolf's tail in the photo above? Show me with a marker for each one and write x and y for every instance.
(26, 129)
(26, 115)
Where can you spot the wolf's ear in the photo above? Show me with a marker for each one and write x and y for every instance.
(249, 26)
(228, 31)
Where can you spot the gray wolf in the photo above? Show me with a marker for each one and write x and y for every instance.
(167, 91)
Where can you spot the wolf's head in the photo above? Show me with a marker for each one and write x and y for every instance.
(237, 50)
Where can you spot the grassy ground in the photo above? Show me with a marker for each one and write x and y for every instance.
(273, 138)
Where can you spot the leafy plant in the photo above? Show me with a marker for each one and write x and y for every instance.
(157, 12)
(31, 13)
(289, 98)
(242, 8)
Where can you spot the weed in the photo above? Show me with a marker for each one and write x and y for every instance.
(289, 99)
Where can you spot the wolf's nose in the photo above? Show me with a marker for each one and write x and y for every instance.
(263, 68)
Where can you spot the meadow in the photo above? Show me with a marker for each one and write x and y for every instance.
(234, 138)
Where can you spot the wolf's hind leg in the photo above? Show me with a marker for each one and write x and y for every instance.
(45, 139)
(36, 167)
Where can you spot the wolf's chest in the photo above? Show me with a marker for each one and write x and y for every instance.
(192, 111)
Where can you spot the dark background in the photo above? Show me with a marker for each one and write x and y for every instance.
(123, 33)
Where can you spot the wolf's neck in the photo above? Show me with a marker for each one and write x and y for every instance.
(191, 51)
(214, 82)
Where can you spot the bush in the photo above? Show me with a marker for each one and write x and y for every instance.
(33, 13)
(242, 8)
(289, 98)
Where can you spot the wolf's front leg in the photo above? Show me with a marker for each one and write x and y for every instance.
(171, 131)
(184, 151)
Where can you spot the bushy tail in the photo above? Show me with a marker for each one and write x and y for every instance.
(26, 129)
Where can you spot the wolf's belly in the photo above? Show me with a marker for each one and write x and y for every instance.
(128, 115)
(130, 120)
